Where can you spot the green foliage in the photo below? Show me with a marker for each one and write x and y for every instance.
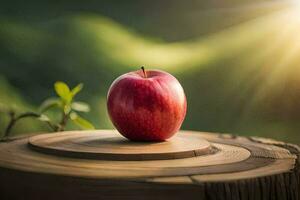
(68, 107)
(49, 103)
(76, 89)
(80, 106)
(63, 91)
(81, 122)
(64, 103)
(44, 118)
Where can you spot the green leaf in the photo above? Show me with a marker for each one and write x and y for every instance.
(49, 103)
(76, 89)
(67, 109)
(81, 122)
(44, 118)
(63, 91)
(80, 106)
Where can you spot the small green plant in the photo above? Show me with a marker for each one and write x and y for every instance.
(65, 103)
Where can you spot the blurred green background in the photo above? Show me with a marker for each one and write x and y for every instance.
(238, 61)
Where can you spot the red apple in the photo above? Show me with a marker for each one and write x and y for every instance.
(146, 105)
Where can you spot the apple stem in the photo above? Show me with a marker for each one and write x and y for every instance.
(144, 71)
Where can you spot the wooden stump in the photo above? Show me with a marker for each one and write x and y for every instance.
(104, 165)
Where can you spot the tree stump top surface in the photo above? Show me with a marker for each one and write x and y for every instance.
(106, 154)
(191, 161)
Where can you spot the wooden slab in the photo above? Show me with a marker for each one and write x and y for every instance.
(110, 145)
(103, 165)
(230, 156)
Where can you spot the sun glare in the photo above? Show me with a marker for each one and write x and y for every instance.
(296, 3)
(280, 57)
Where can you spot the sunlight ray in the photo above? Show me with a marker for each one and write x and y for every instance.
(280, 65)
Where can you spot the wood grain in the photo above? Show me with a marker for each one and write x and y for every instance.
(110, 145)
(233, 168)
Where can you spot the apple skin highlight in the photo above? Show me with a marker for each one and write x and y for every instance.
(146, 105)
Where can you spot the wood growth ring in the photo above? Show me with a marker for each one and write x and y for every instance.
(110, 145)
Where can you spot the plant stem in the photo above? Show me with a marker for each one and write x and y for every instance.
(63, 122)
(52, 126)
(14, 120)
